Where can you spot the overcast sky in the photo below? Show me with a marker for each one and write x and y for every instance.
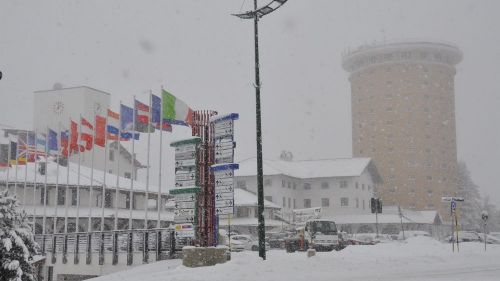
(203, 55)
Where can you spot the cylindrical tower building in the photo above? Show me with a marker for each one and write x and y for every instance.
(403, 117)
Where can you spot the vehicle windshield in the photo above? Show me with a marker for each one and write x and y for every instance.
(324, 227)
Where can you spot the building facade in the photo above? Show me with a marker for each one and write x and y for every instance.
(403, 117)
(339, 186)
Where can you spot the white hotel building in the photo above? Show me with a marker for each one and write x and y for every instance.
(339, 186)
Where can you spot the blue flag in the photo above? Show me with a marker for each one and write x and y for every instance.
(127, 118)
(156, 110)
(53, 143)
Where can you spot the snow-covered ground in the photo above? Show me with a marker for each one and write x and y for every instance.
(420, 258)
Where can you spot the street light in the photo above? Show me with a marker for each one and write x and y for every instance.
(255, 15)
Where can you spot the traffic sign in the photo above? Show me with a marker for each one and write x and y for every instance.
(224, 210)
(453, 206)
(224, 203)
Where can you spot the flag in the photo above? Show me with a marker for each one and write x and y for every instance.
(13, 150)
(4, 155)
(127, 123)
(175, 111)
(26, 148)
(73, 137)
(142, 117)
(86, 134)
(40, 144)
(65, 143)
(156, 114)
(100, 130)
(53, 144)
(114, 124)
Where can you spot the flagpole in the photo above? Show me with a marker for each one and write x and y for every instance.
(77, 219)
(117, 158)
(17, 164)
(26, 171)
(146, 197)
(89, 229)
(57, 176)
(131, 195)
(35, 183)
(8, 163)
(66, 192)
(44, 219)
(159, 201)
(105, 172)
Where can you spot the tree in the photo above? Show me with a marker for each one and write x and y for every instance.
(17, 244)
(470, 209)
(493, 219)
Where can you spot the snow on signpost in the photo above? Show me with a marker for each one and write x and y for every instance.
(223, 170)
(186, 186)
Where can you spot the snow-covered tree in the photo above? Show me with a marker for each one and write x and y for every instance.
(470, 209)
(17, 244)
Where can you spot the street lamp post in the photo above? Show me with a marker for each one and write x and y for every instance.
(255, 15)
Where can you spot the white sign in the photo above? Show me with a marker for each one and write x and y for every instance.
(185, 148)
(181, 219)
(185, 183)
(226, 182)
(185, 205)
(185, 155)
(224, 153)
(224, 188)
(183, 212)
(185, 197)
(184, 176)
(224, 145)
(223, 124)
(185, 163)
(224, 210)
(223, 174)
(223, 132)
(224, 203)
(224, 196)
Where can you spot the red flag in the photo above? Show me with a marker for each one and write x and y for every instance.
(86, 135)
(73, 144)
(142, 112)
(100, 131)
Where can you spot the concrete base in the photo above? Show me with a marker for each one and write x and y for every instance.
(199, 256)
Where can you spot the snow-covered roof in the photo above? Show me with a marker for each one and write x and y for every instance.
(245, 198)
(306, 169)
(85, 172)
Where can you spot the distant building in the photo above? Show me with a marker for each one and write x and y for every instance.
(339, 186)
(403, 117)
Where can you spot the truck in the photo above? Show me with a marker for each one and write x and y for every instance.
(318, 234)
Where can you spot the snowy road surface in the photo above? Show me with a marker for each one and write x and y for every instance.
(421, 258)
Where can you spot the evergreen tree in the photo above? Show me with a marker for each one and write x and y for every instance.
(17, 244)
(470, 209)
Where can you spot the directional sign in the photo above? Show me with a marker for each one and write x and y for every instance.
(185, 197)
(224, 196)
(229, 144)
(185, 205)
(185, 183)
(224, 210)
(224, 203)
(224, 153)
(185, 148)
(184, 176)
(185, 163)
(223, 132)
(183, 219)
(226, 182)
(184, 212)
(223, 124)
(224, 188)
(184, 230)
(185, 155)
(223, 174)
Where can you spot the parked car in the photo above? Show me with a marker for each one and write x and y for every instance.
(464, 236)
(235, 246)
(495, 234)
(412, 233)
(249, 242)
(276, 240)
(370, 238)
(490, 239)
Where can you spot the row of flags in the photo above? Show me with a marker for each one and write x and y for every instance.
(163, 111)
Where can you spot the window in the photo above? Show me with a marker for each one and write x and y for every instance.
(289, 203)
(241, 184)
(363, 186)
(42, 196)
(284, 202)
(289, 185)
(268, 182)
(282, 183)
(74, 196)
(61, 197)
(344, 202)
(343, 184)
(307, 203)
(107, 199)
(269, 198)
(111, 155)
(325, 185)
(242, 212)
(127, 175)
(357, 202)
(307, 185)
(363, 204)
(325, 202)
(294, 203)
(357, 185)
(294, 185)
